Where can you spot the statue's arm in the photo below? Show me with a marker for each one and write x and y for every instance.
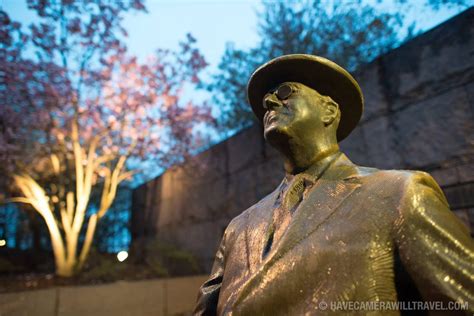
(208, 295)
(434, 246)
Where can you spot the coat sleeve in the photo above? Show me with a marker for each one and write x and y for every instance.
(434, 246)
(208, 295)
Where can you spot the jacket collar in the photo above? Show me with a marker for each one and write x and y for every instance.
(334, 167)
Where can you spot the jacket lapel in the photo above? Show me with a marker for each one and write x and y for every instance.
(257, 228)
(325, 198)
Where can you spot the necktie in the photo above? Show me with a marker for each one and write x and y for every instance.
(288, 201)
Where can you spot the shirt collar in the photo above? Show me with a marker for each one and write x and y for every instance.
(316, 170)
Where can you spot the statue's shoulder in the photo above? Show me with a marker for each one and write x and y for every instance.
(405, 177)
(392, 175)
(402, 181)
(344, 168)
(401, 193)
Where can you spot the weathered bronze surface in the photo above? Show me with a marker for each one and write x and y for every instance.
(333, 231)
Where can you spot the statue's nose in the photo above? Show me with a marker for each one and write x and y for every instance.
(271, 102)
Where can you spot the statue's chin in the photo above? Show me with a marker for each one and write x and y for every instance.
(276, 135)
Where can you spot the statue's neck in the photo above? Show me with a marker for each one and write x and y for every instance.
(300, 158)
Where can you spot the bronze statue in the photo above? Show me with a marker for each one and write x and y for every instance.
(333, 231)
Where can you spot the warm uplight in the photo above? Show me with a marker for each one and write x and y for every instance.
(3, 242)
(122, 255)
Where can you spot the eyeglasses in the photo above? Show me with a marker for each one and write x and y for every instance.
(283, 92)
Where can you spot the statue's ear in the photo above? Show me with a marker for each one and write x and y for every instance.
(330, 112)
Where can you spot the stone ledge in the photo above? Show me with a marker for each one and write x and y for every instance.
(175, 296)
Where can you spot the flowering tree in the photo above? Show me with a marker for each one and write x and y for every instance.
(77, 109)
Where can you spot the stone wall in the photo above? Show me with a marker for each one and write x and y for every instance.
(419, 114)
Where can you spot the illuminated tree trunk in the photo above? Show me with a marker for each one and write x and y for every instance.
(72, 213)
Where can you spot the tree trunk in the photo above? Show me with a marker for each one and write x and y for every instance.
(65, 269)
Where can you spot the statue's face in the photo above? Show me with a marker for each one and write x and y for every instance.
(293, 110)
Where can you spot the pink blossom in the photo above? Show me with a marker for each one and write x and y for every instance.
(113, 95)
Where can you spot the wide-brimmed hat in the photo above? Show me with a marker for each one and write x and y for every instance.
(318, 73)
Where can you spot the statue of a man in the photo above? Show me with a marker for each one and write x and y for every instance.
(333, 231)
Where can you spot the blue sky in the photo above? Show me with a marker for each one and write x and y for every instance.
(212, 23)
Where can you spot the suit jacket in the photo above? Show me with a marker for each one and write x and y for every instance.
(360, 234)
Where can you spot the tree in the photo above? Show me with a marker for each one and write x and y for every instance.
(350, 33)
(79, 114)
